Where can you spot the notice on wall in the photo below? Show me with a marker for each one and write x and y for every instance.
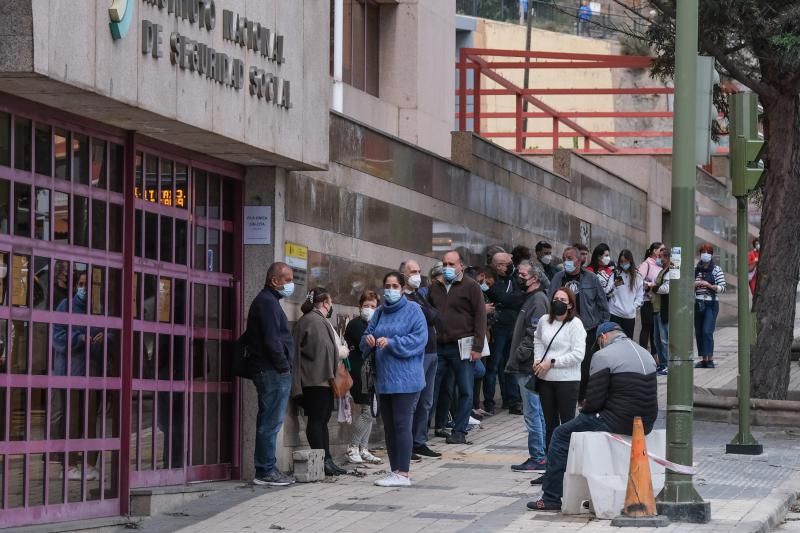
(257, 224)
(675, 263)
(296, 255)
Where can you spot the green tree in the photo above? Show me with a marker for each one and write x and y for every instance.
(757, 43)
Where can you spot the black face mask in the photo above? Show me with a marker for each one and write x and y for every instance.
(330, 312)
(523, 284)
(558, 308)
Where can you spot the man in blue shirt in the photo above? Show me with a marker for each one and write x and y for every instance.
(584, 18)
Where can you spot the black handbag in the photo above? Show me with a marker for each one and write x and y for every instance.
(240, 360)
(533, 383)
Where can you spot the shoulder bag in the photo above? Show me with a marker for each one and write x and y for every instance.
(532, 384)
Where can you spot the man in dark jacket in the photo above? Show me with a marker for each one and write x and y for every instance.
(269, 343)
(507, 298)
(462, 321)
(591, 300)
(622, 385)
(413, 274)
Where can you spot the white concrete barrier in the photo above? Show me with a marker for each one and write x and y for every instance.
(597, 470)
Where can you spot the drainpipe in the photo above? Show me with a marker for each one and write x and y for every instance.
(337, 100)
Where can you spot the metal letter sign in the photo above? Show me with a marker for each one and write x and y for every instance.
(121, 14)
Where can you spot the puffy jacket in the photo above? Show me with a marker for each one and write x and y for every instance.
(622, 385)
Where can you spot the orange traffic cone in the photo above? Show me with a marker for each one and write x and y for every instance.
(640, 504)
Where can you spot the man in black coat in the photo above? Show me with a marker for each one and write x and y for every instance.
(622, 385)
(270, 345)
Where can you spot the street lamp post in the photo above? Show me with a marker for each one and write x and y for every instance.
(679, 500)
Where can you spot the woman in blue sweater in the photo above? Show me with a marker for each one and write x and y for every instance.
(397, 333)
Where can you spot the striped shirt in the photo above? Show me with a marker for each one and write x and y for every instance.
(703, 293)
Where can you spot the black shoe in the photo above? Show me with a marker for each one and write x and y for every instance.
(538, 481)
(514, 410)
(415, 458)
(426, 452)
(441, 433)
(456, 437)
(274, 479)
(701, 364)
(477, 415)
(331, 469)
(710, 364)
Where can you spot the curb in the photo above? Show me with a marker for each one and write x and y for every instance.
(771, 510)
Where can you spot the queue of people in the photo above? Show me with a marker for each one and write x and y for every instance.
(532, 321)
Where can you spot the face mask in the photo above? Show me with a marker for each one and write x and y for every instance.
(392, 295)
(523, 283)
(546, 259)
(287, 290)
(705, 257)
(659, 262)
(625, 266)
(366, 313)
(330, 312)
(569, 266)
(414, 281)
(605, 260)
(80, 293)
(449, 273)
(484, 287)
(558, 308)
(758, 247)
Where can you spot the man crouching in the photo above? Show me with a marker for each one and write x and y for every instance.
(622, 385)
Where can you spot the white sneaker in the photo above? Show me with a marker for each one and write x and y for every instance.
(353, 455)
(474, 422)
(369, 458)
(394, 480)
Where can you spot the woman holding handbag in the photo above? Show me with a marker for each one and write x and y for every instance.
(559, 346)
(398, 333)
(318, 352)
(358, 451)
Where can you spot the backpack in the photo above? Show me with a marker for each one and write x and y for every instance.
(240, 360)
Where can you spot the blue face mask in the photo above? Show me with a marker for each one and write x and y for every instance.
(287, 290)
(484, 287)
(705, 257)
(569, 266)
(80, 293)
(659, 262)
(625, 266)
(449, 273)
(392, 295)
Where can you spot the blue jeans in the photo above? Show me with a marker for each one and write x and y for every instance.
(397, 411)
(425, 402)
(662, 340)
(705, 322)
(464, 374)
(553, 481)
(533, 416)
(495, 371)
(273, 394)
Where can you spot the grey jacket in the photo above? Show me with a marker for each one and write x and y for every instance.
(520, 358)
(315, 353)
(591, 299)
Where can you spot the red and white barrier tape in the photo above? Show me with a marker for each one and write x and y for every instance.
(669, 465)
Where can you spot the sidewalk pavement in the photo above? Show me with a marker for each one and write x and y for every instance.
(472, 489)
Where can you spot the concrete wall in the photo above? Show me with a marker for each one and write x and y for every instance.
(416, 87)
(501, 35)
(79, 67)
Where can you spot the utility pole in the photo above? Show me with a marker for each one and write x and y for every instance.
(745, 149)
(527, 73)
(679, 500)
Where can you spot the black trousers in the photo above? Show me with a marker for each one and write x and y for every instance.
(559, 401)
(318, 406)
(591, 339)
(647, 336)
(627, 324)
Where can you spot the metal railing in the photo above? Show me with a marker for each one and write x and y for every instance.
(487, 63)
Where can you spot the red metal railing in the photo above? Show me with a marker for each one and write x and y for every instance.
(488, 62)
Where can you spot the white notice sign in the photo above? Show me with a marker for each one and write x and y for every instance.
(257, 224)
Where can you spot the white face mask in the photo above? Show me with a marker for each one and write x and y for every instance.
(606, 260)
(366, 313)
(546, 259)
(414, 281)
